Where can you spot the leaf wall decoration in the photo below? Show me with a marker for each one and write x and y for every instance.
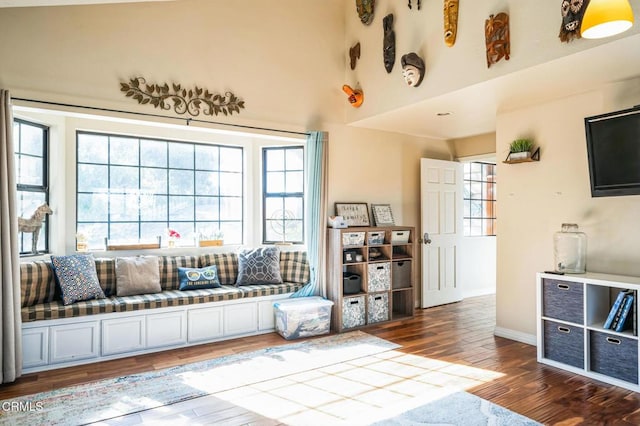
(194, 101)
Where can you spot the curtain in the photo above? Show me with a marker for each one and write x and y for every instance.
(316, 213)
(10, 329)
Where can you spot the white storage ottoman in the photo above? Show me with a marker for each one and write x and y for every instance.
(303, 316)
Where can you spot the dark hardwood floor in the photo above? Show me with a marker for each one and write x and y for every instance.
(460, 334)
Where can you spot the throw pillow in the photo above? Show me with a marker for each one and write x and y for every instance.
(77, 278)
(259, 266)
(137, 275)
(197, 278)
(294, 267)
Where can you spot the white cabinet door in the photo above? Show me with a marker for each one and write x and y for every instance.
(35, 347)
(166, 329)
(205, 324)
(75, 341)
(240, 319)
(266, 315)
(123, 335)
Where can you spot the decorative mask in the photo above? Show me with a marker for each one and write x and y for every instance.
(388, 43)
(354, 55)
(496, 32)
(572, 13)
(412, 69)
(355, 96)
(365, 10)
(450, 21)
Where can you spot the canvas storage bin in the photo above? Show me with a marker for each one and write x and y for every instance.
(353, 312)
(379, 277)
(377, 307)
(564, 343)
(400, 237)
(353, 239)
(563, 300)
(614, 355)
(401, 274)
(375, 238)
(303, 316)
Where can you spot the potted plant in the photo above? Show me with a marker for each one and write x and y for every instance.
(520, 149)
(210, 238)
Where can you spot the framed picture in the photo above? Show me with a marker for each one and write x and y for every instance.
(382, 215)
(354, 214)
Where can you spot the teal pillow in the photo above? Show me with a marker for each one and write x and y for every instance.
(197, 278)
(77, 277)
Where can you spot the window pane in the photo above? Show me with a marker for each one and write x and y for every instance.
(273, 207)
(275, 160)
(95, 234)
(294, 207)
(151, 230)
(295, 159)
(181, 208)
(123, 232)
(207, 208)
(295, 182)
(123, 179)
(93, 148)
(275, 182)
(123, 207)
(294, 231)
(207, 183)
(181, 182)
(476, 208)
(154, 208)
(231, 159)
(30, 170)
(153, 181)
(232, 232)
(123, 151)
(230, 208)
(207, 157)
(476, 190)
(93, 208)
(476, 227)
(181, 156)
(31, 139)
(93, 178)
(231, 184)
(476, 171)
(153, 153)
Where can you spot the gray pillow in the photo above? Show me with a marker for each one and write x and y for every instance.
(137, 275)
(259, 266)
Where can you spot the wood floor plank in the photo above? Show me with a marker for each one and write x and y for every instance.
(460, 334)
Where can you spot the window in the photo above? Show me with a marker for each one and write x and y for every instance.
(283, 195)
(134, 189)
(479, 199)
(31, 144)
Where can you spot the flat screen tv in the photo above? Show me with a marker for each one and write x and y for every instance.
(613, 147)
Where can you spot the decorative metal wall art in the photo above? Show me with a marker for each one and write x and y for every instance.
(572, 13)
(355, 96)
(181, 100)
(419, 5)
(365, 10)
(496, 31)
(388, 43)
(354, 55)
(412, 69)
(450, 21)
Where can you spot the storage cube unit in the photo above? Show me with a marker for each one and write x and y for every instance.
(377, 307)
(614, 356)
(303, 317)
(353, 312)
(564, 343)
(353, 239)
(379, 276)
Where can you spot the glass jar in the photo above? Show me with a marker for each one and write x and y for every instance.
(570, 250)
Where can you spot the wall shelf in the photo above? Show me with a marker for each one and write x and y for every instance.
(534, 157)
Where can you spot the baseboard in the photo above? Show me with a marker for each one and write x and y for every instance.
(518, 336)
(478, 292)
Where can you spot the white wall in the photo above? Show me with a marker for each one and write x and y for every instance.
(536, 198)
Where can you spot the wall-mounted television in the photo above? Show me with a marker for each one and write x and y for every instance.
(613, 147)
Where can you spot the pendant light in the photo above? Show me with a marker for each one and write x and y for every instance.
(604, 18)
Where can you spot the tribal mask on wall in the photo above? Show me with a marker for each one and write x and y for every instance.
(365, 10)
(572, 13)
(388, 43)
(450, 21)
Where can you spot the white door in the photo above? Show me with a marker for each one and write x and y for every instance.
(441, 201)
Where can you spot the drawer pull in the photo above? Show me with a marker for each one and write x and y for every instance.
(354, 302)
(377, 298)
(563, 287)
(564, 329)
(379, 268)
(613, 340)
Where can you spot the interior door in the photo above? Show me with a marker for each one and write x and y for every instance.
(441, 209)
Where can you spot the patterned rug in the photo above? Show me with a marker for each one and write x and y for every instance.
(277, 379)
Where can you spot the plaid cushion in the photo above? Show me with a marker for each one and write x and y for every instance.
(169, 270)
(36, 283)
(227, 264)
(294, 266)
(106, 269)
(176, 298)
(256, 290)
(55, 309)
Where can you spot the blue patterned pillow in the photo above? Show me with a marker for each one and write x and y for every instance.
(197, 278)
(77, 277)
(259, 266)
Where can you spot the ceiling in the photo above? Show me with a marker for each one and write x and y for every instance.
(473, 109)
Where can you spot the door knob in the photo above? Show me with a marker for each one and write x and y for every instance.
(426, 238)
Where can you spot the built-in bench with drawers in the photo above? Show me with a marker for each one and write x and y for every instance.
(57, 335)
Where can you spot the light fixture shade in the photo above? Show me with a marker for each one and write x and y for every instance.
(604, 18)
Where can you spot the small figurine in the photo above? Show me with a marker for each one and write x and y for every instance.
(356, 97)
(365, 10)
(354, 55)
(388, 43)
(572, 13)
(496, 30)
(412, 69)
(450, 21)
(34, 224)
